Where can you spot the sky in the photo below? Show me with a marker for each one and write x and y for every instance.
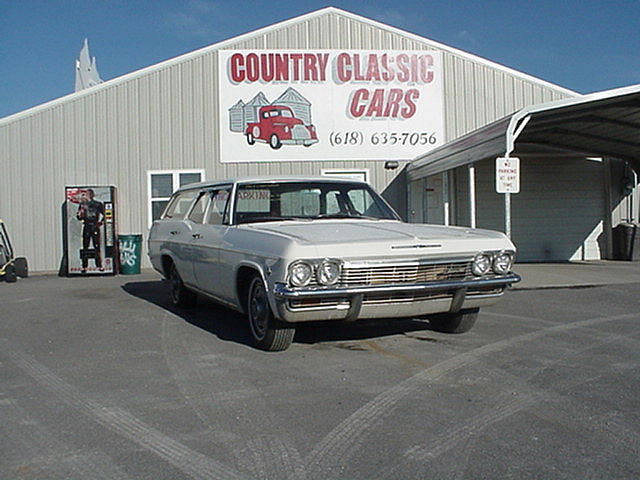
(583, 45)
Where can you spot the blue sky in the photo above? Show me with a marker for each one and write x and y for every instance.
(584, 45)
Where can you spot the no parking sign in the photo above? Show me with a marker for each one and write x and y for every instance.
(507, 175)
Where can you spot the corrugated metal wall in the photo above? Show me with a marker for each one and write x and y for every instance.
(166, 118)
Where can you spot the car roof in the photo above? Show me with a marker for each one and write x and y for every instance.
(269, 179)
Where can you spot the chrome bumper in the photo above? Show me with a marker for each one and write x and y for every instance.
(355, 295)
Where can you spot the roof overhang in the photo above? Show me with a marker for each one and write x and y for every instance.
(601, 124)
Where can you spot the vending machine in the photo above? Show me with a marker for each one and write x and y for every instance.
(90, 230)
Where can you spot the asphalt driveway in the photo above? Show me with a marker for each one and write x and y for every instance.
(101, 379)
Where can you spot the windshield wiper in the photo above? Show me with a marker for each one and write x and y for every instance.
(346, 215)
(271, 219)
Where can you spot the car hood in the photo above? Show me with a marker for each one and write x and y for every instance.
(368, 237)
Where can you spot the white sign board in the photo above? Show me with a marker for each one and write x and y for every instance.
(287, 105)
(507, 175)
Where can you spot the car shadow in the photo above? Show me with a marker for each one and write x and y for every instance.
(230, 325)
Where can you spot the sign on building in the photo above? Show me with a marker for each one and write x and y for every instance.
(287, 105)
(507, 175)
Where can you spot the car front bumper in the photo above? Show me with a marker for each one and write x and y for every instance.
(299, 141)
(386, 301)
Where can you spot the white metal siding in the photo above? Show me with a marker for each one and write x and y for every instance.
(166, 118)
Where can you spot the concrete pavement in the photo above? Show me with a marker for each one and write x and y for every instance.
(576, 274)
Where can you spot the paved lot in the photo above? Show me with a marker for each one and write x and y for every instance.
(100, 379)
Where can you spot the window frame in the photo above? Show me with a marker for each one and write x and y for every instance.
(175, 185)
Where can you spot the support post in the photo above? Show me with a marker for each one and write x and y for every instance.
(445, 197)
(472, 195)
(607, 224)
(507, 214)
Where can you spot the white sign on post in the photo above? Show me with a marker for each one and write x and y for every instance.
(507, 175)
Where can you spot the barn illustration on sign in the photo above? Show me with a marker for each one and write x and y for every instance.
(285, 121)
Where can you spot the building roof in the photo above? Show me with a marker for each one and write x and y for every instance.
(601, 124)
(302, 18)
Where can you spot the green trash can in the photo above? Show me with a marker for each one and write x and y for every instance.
(130, 253)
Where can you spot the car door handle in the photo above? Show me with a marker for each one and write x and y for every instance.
(196, 235)
(174, 232)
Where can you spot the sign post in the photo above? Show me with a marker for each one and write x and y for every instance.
(507, 182)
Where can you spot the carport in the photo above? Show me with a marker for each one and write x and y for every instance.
(579, 164)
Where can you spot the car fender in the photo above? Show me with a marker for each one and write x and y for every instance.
(262, 270)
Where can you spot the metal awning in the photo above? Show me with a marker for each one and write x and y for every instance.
(601, 124)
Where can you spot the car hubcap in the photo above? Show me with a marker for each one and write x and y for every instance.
(258, 311)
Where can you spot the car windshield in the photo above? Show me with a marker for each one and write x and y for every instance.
(268, 202)
(281, 113)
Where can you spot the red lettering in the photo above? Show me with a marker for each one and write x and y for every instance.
(373, 72)
(266, 64)
(410, 108)
(388, 75)
(310, 67)
(403, 75)
(295, 59)
(282, 66)
(426, 74)
(414, 68)
(357, 73)
(237, 68)
(253, 67)
(355, 108)
(393, 103)
(323, 59)
(377, 103)
(343, 68)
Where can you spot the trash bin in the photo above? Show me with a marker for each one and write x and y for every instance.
(130, 252)
(626, 242)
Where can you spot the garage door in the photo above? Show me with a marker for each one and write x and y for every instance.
(557, 215)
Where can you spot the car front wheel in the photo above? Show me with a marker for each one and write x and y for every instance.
(267, 332)
(181, 296)
(459, 322)
(275, 142)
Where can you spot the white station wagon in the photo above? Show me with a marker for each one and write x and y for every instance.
(288, 250)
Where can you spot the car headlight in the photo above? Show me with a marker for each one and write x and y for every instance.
(502, 263)
(481, 264)
(300, 274)
(286, 129)
(328, 272)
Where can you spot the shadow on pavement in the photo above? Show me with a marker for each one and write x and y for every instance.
(230, 325)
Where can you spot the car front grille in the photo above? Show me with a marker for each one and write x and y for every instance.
(300, 132)
(382, 274)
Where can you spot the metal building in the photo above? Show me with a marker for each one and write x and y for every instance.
(155, 129)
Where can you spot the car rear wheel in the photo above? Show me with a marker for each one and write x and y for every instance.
(274, 141)
(250, 138)
(459, 322)
(10, 274)
(267, 332)
(22, 268)
(181, 296)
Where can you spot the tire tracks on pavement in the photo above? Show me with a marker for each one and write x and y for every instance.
(194, 368)
(340, 443)
(118, 420)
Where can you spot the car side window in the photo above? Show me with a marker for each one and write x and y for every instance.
(218, 210)
(179, 205)
(197, 213)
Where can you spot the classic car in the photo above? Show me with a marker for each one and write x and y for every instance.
(289, 250)
(277, 125)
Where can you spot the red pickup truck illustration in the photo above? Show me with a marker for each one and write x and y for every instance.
(277, 125)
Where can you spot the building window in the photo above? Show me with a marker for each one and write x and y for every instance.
(162, 184)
